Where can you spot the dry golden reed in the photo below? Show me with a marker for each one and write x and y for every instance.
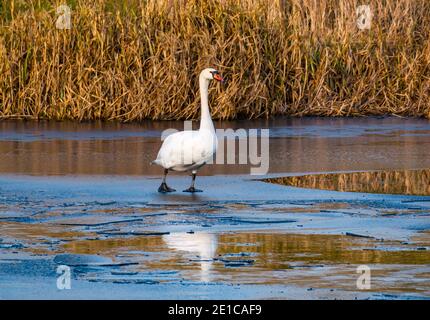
(131, 60)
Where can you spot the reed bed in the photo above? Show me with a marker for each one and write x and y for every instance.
(130, 60)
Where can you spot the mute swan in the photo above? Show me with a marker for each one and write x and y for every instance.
(190, 150)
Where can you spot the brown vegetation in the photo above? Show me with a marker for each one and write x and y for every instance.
(132, 60)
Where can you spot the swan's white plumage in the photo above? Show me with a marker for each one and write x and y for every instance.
(189, 150)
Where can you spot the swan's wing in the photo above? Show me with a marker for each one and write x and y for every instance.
(184, 148)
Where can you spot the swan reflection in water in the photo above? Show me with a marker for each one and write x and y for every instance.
(202, 246)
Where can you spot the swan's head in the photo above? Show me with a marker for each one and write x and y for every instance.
(211, 74)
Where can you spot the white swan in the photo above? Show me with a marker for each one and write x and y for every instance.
(190, 150)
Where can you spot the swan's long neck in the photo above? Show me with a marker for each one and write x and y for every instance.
(206, 120)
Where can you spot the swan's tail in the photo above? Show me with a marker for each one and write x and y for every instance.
(156, 161)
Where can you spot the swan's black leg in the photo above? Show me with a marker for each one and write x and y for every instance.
(191, 188)
(164, 187)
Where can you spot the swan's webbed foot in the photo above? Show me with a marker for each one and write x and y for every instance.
(164, 188)
(192, 190)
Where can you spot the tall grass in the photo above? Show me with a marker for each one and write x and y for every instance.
(131, 60)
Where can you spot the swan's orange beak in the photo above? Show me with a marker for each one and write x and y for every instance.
(217, 77)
